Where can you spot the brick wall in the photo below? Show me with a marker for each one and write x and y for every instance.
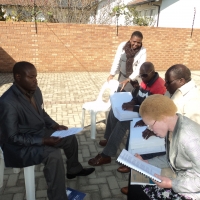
(75, 47)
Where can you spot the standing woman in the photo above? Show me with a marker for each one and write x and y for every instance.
(182, 152)
(128, 59)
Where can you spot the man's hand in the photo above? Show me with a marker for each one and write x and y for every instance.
(51, 141)
(60, 127)
(110, 77)
(135, 84)
(128, 106)
(139, 123)
(124, 83)
(147, 134)
(166, 182)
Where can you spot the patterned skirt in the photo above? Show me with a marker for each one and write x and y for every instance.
(156, 193)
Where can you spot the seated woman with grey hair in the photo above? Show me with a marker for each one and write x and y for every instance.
(182, 152)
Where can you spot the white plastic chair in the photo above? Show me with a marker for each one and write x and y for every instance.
(29, 176)
(99, 105)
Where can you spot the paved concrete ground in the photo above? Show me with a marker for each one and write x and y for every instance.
(64, 94)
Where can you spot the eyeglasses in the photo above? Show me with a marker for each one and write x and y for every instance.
(145, 75)
(169, 82)
(150, 127)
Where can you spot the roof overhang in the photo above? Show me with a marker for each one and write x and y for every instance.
(140, 2)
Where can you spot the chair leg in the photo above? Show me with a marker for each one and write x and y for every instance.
(29, 176)
(93, 124)
(2, 166)
(83, 118)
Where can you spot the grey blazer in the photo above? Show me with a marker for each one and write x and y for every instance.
(22, 128)
(184, 156)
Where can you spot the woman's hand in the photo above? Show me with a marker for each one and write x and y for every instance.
(139, 123)
(124, 83)
(165, 182)
(110, 77)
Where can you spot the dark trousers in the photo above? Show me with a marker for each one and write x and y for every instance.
(135, 192)
(114, 133)
(54, 171)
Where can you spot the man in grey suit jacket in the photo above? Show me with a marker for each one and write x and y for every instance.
(25, 130)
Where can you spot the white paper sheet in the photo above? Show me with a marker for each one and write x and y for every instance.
(65, 133)
(134, 163)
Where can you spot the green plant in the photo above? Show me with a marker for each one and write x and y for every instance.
(118, 10)
(132, 16)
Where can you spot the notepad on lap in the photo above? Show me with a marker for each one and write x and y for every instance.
(117, 99)
(65, 133)
(146, 169)
(138, 178)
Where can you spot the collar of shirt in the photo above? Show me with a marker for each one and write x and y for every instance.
(26, 93)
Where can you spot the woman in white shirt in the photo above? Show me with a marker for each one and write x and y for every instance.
(128, 59)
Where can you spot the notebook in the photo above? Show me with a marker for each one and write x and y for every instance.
(137, 144)
(74, 194)
(144, 168)
(117, 99)
(138, 179)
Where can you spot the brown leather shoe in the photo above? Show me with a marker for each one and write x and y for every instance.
(124, 190)
(124, 169)
(99, 160)
(103, 143)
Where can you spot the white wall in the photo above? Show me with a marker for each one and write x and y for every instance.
(179, 13)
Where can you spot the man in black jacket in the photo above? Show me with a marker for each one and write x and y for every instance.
(25, 130)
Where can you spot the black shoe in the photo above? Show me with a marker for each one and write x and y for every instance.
(83, 172)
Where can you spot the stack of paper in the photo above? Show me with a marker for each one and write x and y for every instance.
(117, 99)
(137, 144)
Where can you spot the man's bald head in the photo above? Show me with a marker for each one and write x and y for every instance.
(180, 71)
(147, 67)
(147, 71)
(176, 76)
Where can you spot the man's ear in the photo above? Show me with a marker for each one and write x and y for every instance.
(182, 81)
(17, 77)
